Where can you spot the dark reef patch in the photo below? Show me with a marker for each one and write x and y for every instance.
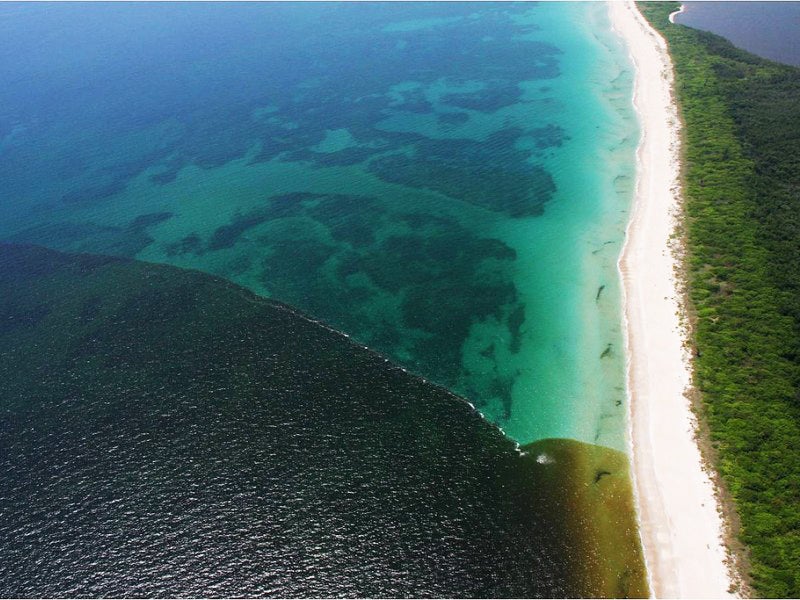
(452, 118)
(517, 193)
(515, 321)
(191, 243)
(495, 95)
(227, 235)
(492, 174)
(443, 277)
(150, 219)
(292, 262)
(550, 136)
(351, 219)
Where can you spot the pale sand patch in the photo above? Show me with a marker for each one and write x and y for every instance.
(676, 13)
(680, 524)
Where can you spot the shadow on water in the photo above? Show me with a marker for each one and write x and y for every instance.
(164, 432)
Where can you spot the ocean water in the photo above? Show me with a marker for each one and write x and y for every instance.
(404, 376)
(164, 433)
(447, 183)
(768, 29)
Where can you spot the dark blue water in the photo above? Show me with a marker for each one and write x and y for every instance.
(769, 29)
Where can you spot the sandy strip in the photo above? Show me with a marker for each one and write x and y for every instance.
(676, 13)
(680, 525)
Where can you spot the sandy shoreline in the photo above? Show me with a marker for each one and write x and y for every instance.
(679, 518)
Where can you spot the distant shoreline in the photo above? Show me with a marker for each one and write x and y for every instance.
(766, 29)
(676, 13)
(680, 526)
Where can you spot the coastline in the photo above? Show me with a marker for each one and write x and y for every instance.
(679, 515)
(673, 15)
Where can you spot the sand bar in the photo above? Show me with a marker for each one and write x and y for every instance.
(678, 511)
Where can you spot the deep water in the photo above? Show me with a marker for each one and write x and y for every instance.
(445, 182)
(166, 433)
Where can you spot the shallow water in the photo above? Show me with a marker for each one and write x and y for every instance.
(447, 183)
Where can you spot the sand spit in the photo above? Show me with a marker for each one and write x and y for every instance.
(680, 524)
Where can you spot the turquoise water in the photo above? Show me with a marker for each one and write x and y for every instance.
(446, 183)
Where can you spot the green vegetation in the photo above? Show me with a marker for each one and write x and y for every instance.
(742, 190)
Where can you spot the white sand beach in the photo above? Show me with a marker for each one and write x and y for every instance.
(681, 527)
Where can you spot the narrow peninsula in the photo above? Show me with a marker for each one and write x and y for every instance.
(738, 264)
(679, 519)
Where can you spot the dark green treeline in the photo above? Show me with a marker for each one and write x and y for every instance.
(742, 193)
